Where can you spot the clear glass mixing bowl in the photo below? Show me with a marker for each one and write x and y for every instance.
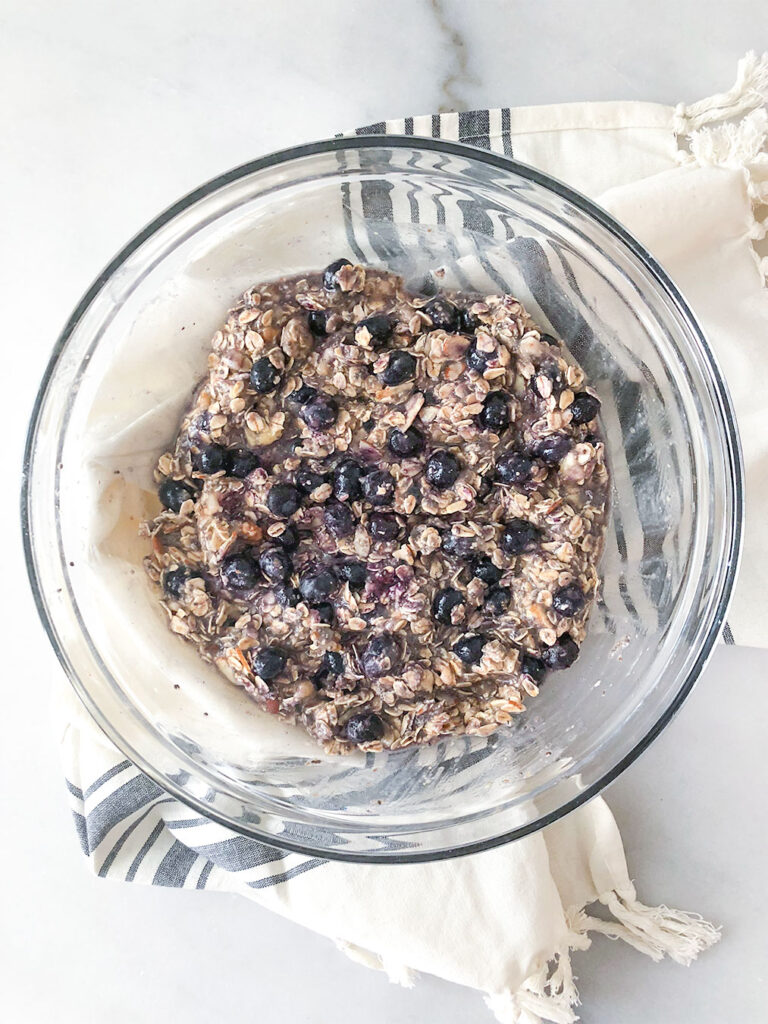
(123, 370)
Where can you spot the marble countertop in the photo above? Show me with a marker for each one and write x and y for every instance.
(111, 113)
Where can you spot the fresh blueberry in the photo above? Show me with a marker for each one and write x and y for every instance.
(320, 412)
(353, 573)
(383, 526)
(333, 663)
(485, 571)
(584, 407)
(484, 488)
(364, 727)
(551, 449)
(338, 519)
(568, 600)
(173, 494)
(552, 372)
(497, 601)
(241, 462)
(380, 657)
(379, 327)
(329, 274)
(477, 358)
(468, 322)
(265, 376)
(317, 321)
(400, 368)
(405, 442)
(514, 468)
(550, 339)
(325, 612)
(239, 572)
(561, 654)
(283, 500)
(317, 587)
(533, 667)
(459, 547)
(287, 596)
(269, 662)
(518, 536)
(275, 564)
(378, 487)
(303, 394)
(444, 602)
(174, 580)
(495, 412)
(470, 648)
(443, 314)
(307, 480)
(442, 470)
(211, 458)
(346, 480)
(289, 538)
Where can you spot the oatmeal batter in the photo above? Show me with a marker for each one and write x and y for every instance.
(383, 513)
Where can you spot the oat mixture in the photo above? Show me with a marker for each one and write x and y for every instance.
(383, 513)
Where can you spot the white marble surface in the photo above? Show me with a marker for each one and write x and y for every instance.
(111, 112)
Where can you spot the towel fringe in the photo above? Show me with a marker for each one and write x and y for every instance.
(750, 90)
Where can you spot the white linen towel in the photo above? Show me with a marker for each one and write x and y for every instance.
(689, 183)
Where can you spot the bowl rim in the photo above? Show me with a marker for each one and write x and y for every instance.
(721, 400)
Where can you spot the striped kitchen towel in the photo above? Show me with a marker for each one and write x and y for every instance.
(690, 188)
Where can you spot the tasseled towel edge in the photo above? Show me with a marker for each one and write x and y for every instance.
(550, 994)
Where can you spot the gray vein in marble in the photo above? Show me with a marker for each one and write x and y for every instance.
(457, 71)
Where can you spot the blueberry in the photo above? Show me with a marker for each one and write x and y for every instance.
(320, 412)
(468, 322)
(584, 407)
(289, 538)
(533, 667)
(353, 573)
(317, 321)
(519, 535)
(485, 571)
(364, 727)
(561, 654)
(378, 487)
(443, 314)
(307, 480)
(405, 442)
(497, 601)
(459, 547)
(338, 519)
(568, 600)
(552, 372)
(333, 663)
(495, 412)
(325, 612)
(442, 470)
(329, 274)
(265, 376)
(514, 468)
(287, 596)
(383, 526)
(241, 462)
(317, 587)
(484, 488)
(550, 339)
(174, 580)
(303, 394)
(346, 480)
(400, 368)
(444, 602)
(275, 564)
(380, 657)
(211, 458)
(269, 662)
(470, 648)
(283, 500)
(239, 572)
(379, 327)
(551, 449)
(477, 358)
(173, 494)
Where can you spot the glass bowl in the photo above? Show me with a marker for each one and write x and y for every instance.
(124, 367)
